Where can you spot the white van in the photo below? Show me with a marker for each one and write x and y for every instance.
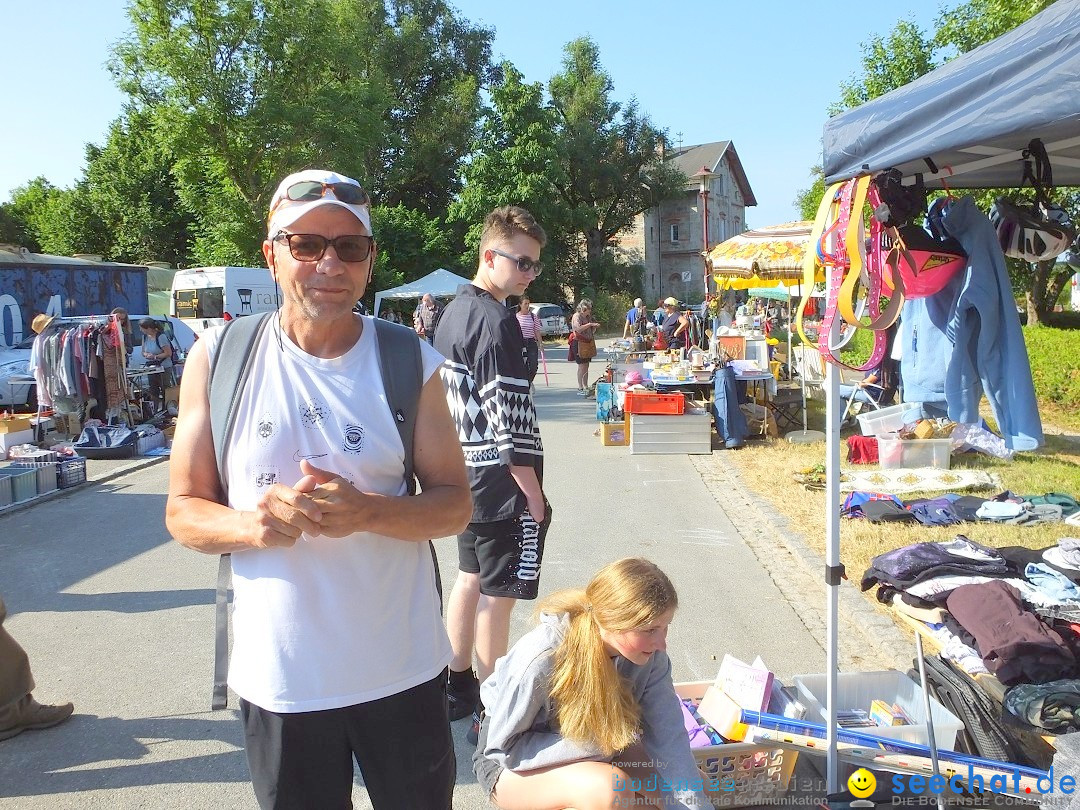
(206, 296)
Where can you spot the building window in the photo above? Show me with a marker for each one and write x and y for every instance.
(736, 226)
(675, 233)
(720, 184)
(651, 235)
(723, 229)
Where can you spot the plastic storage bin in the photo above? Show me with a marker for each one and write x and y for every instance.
(896, 453)
(648, 402)
(856, 690)
(740, 774)
(71, 472)
(888, 420)
(46, 473)
(657, 434)
(23, 483)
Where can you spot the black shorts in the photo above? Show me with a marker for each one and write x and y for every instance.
(306, 759)
(506, 554)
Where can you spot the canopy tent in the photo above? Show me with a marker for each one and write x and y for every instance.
(968, 121)
(440, 283)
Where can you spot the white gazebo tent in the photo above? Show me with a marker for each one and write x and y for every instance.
(440, 283)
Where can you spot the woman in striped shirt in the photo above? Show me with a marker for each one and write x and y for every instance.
(530, 330)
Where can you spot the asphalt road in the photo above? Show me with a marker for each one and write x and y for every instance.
(118, 618)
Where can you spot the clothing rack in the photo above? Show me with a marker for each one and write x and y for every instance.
(61, 321)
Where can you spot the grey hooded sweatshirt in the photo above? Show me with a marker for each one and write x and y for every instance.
(522, 725)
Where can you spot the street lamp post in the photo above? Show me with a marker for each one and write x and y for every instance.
(704, 176)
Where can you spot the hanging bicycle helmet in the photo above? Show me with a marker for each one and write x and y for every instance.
(1035, 233)
(1039, 232)
(924, 263)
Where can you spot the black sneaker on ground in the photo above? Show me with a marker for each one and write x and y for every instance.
(462, 701)
(473, 734)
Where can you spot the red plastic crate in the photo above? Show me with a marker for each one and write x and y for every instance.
(648, 402)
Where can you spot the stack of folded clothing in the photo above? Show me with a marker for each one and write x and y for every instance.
(951, 508)
(990, 608)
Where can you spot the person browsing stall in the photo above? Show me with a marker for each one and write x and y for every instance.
(157, 352)
(339, 650)
(426, 317)
(585, 330)
(19, 711)
(674, 323)
(530, 331)
(487, 386)
(636, 319)
(583, 700)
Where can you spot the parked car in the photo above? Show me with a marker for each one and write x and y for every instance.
(17, 389)
(552, 319)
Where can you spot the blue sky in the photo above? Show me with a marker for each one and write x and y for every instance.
(759, 73)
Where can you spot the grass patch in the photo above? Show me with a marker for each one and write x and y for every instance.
(767, 469)
(1055, 369)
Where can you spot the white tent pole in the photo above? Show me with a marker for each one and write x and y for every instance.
(378, 303)
(832, 563)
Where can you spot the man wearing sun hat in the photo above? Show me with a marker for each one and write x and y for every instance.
(339, 650)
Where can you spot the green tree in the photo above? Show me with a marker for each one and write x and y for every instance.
(15, 231)
(411, 245)
(888, 63)
(516, 161)
(242, 92)
(68, 224)
(808, 199)
(434, 64)
(971, 24)
(132, 192)
(609, 156)
(27, 211)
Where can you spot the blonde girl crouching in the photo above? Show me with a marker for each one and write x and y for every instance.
(582, 713)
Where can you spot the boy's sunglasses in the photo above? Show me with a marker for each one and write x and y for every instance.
(313, 190)
(310, 247)
(524, 263)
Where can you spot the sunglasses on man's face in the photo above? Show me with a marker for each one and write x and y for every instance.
(524, 263)
(313, 190)
(310, 247)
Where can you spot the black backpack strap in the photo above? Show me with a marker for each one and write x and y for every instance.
(225, 384)
(402, 367)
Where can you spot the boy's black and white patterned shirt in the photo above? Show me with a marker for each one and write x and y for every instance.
(490, 399)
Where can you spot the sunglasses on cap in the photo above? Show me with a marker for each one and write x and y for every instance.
(310, 247)
(524, 263)
(305, 190)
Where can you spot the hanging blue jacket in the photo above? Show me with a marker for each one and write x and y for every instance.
(988, 352)
(925, 348)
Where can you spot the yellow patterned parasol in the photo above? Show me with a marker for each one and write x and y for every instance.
(753, 258)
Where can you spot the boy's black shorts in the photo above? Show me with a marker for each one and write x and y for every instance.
(506, 554)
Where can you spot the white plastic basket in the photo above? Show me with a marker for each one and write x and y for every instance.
(888, 420)
(856, 690)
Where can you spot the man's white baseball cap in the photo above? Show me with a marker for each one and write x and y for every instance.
(304, 191)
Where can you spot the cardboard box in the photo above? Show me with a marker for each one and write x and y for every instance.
(68, 423)
(615, 434)
(924, 429)
(15, 424)
(9, 440)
